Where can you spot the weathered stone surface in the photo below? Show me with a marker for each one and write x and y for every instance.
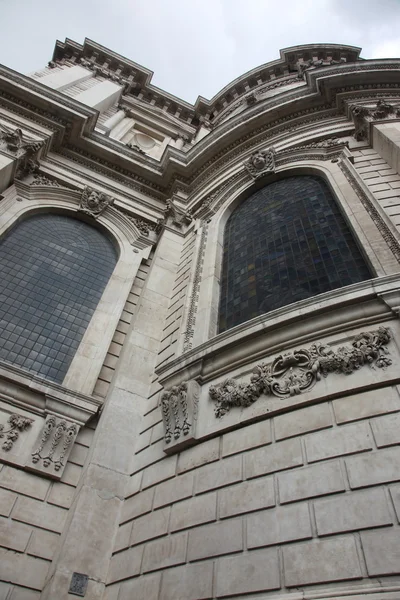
(7, 500)
(213, 540)
(366, 404)
(24, 483)
(61, 494)
(245, 438)
(382, 551)
(141, 588)
(218, 474)
(338, 441)
(22, 569)
(123, 537)
(374, 468)
(395, 494)
(386, 430)
(161, 471)
(179, 488)
(303, 420)
(39, 514)
(321, 561)
(198, 455)
(195, 511)
(165, 552)
(278, 525)
(310, 481)
(349, 512)
(125, 564)
(246, 497)
(273, 458)
(255, 571)
(137, 505)
(191, 582)
(43, 544)
(150, 526)
(13, 535)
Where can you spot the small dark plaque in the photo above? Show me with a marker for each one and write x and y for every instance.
(79, 583)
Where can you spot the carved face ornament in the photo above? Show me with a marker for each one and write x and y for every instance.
(258, 161)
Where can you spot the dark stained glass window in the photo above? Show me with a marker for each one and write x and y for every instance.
(53, 270)
(286, 242)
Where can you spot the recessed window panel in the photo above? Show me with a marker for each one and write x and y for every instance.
(286, 242)
(53, 271)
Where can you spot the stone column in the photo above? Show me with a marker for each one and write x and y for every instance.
(113, 121)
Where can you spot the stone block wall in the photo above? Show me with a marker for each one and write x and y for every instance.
(310, 497)
(381, 180)
(33, 513)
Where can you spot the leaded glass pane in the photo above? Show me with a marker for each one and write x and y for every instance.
(286, 242)
(53, 270)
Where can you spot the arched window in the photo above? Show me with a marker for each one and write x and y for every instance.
(286, 242)
(53, 271)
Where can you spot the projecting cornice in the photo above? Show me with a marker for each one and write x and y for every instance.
(322, 96)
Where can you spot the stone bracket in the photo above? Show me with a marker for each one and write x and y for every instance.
(179, 407)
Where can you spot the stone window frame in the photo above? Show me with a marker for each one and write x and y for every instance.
(206, 308)
(22, 201)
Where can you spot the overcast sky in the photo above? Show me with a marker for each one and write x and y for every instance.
(195, 47)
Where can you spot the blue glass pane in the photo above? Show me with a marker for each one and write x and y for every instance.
(286, 242)
(53, 270)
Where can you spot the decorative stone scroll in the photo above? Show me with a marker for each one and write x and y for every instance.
(178, 216)
(53, 446)
(16, 424)
(179, 410)
(94, 203)
(296, 372)
(260, 163)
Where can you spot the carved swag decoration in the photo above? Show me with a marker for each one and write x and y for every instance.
(16, 425)
(94, 203)
(54, 444)
(296, 372)
(179, 410)
(261, 162)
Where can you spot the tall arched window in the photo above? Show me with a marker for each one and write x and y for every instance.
(286, 242)
(53, 271)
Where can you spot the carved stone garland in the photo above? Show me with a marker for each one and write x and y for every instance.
(296, 372)
(17, 424)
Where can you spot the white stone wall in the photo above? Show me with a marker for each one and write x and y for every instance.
(33, 515)
(307, 498)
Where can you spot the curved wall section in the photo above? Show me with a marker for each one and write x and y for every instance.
(53, 271)
(286, 242)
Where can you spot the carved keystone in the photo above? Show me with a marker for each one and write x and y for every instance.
(53, 446)
(179, 410)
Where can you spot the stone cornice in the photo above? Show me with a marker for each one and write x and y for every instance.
(316, 100)
(266, 334)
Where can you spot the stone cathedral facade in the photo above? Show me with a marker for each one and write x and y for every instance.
(199, 331)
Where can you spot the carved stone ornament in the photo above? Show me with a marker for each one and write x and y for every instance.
(178, 216)
(363, 115)
(43, 180)
(261, 162)
(179, 407)
(94, 203)
(298, 371)
(145, 226)
(16, 424)
(53, 446)
(302, 67)
(15, 142)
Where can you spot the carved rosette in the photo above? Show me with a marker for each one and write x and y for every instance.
(298, 371)
(179, 407)
(260, 163)
(10, 432)
(94, 203)
(53, 446)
